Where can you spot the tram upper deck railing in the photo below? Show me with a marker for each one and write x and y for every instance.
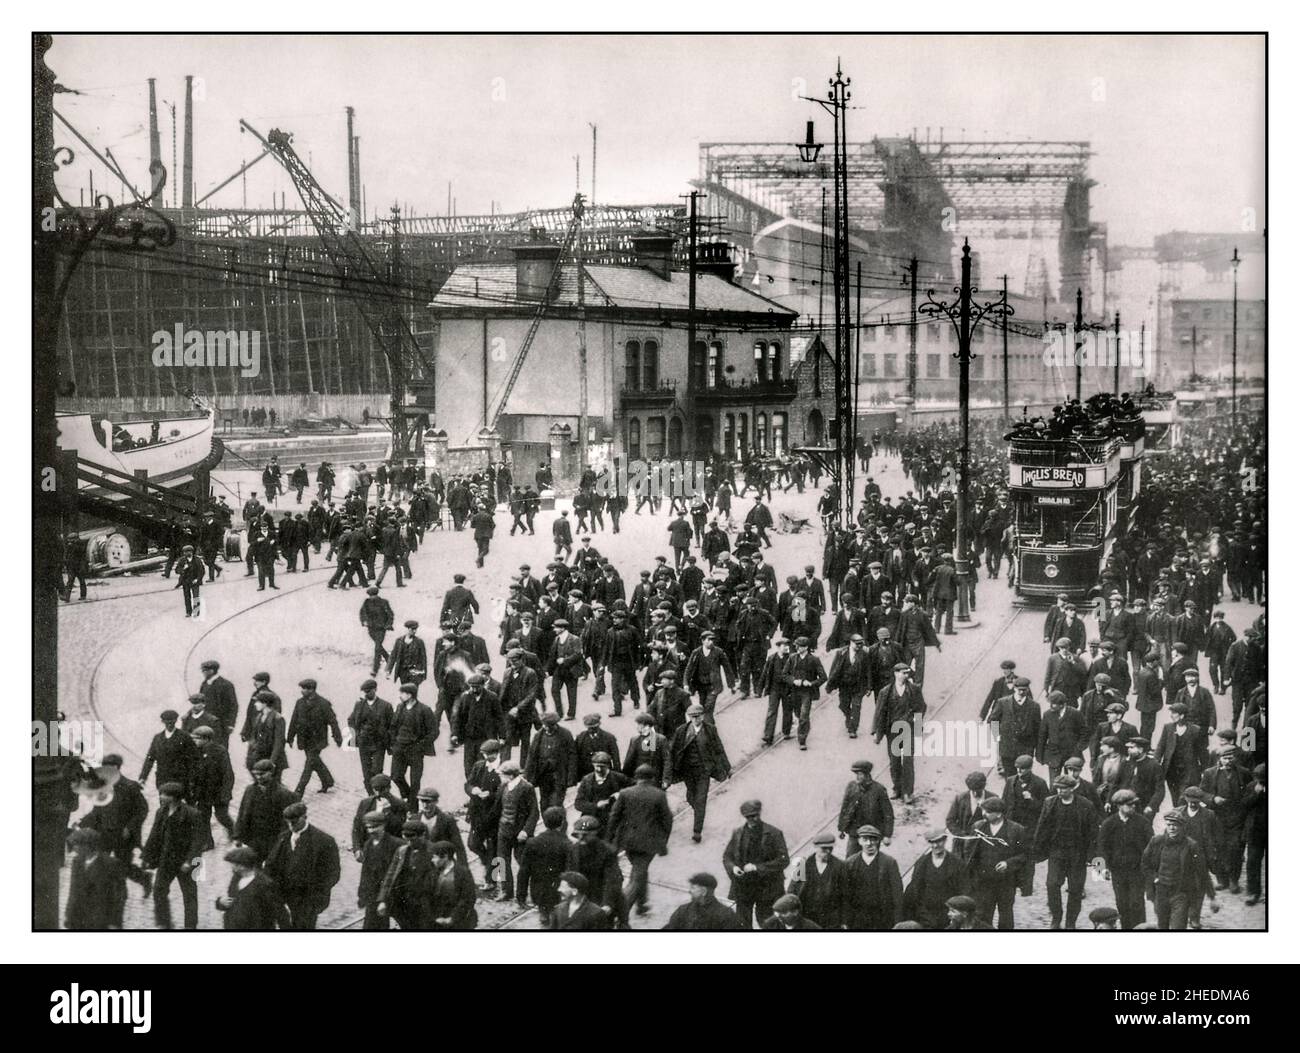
(1073, 450)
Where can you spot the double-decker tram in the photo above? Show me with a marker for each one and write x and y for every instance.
(1073, 482)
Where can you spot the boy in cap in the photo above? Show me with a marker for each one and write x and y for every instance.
(755, 859)
(696, 756)
(173, 850)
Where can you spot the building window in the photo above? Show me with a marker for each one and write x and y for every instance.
(889, 333)
(977, 367)
(869, 364)
(700, 365)
(869, 334)
(715, 364)
(778, 434)
(650, 365)
(760, 433)
(634, 439)
(742, 436)
(932, 332)
(1207, 313)
(760, 361)
(774, 360)
(952, 335)
(654, 438)
(729, 437)
(675, 438)
(978, 335)
(815, 432)
(633, 379)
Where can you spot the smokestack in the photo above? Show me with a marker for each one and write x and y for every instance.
(535, 262)
(653, 250)
(187, 164)
(155, 143)
(354, 175)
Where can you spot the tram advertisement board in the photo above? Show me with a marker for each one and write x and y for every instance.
(1058, 477)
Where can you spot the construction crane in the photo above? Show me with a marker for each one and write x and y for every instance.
(552, 287)
(373, 292)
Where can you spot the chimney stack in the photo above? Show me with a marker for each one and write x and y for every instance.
(714, 257)
(535, 261)
(654, 251)
(155, 143)
(187, 164)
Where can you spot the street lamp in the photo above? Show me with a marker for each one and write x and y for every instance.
(964, 315)
(836, 104)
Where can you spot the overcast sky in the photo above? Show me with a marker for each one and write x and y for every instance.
(1177, 122)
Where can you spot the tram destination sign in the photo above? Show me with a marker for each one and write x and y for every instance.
(1058, 477)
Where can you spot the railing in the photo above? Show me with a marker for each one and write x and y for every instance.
(746, 388)
(664, 391)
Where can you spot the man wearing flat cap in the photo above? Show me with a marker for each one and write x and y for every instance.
(252, 902)
(599, 789)
(575, 911)
(1123, 837)
(96, 885)
(873, 887)
(999, 864)
(405, 892)
(1107, 919)
(370, 728)
(788, 916)
(961, 915)
(1181, 751)
(173, 850)
(1114, 666)
(936, 877)
(409, 661)
(696, 756)
(172, 751)
(222, 701)
(865, 802)
(899, 707)
(1066, 838)
(375, 853)
(755, 859)
(818, 882)
(305, 866)
(640, 823)
(1001, 687)
(703, 912)
(1019, 721)
(552, 761)
(310, 726)
(850, 675)
(1061, 734)
(1066, 672)
(476, 717)
(1176, 874)
(213, 783)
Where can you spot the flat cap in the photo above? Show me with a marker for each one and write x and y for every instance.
(1021, 681)
(295, 811)
(939, 833)
(693, 709)
(414, 826)
(264, 765)
(1103, 915)
(1174, 817)
(576, 881)
(645, 771)
(1064, 782)
(242, 856)
(863, 765)
(411, 623)
(489, 746)
(1123, 797)
(308, 683)
(749, 808)
(601, 757)
(993, 804)
(171, 789)
(1064, 641)
(428, 793)
(825, 838)
(168, 716)
(1007, 663)
(375, 818)
(591, 719)
(369, 685)
(962, 903)
(550, 718)
(372, 590)
(510, 767)
(866, 830)
(703, 879)
(586, 822)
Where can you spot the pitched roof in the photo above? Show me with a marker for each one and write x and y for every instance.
(483, 286)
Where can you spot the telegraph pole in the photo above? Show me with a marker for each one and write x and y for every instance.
(1193, 352)
(582, 343)
(593, 163)
(1078, 344)
(1117, 354)
(1236, 262)
(1006, 359)
(692, 433)
(911, 351)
